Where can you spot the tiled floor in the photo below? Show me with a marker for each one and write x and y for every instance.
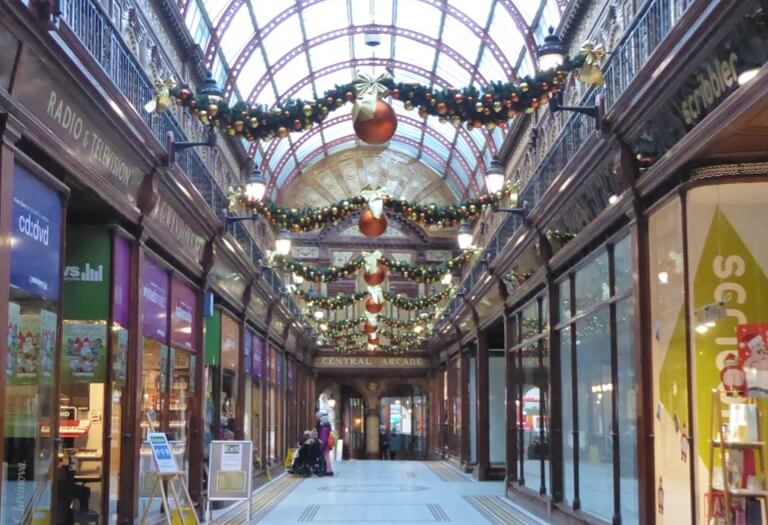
(392, 492)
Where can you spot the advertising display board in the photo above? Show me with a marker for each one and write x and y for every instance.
(229, 471)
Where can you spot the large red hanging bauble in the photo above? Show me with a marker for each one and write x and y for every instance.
(375, 277)
(368, 328)
(370, 225)
(372, 306)
(380, 128)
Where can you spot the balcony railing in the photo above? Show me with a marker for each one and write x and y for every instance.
(95, 31)
(649, 28)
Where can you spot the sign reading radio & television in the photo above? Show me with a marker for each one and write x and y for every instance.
(35, 236)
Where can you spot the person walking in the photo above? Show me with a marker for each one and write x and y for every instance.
(394, 444)
(383, 442)
(324, 434)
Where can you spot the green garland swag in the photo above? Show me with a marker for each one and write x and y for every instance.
(488, 107)
(415, 272)
(310, 219)
(330, 303)
(417, 303)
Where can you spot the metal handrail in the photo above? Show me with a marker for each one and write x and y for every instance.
(96, 32)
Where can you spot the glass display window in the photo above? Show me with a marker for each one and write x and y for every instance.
(230, 376)
(33, 333)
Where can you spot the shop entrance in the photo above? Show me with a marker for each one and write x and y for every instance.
(403, 423)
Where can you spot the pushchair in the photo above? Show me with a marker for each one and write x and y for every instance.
(308, 459)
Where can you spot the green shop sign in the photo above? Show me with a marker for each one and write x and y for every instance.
(87, 277)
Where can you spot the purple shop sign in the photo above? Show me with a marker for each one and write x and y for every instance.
(257, 356)
(183, 308)
(35, 236)
(122, 281)
(155, 300)
(247, 352)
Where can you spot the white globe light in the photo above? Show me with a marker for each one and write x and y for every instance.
(283, 244)
(464, 237)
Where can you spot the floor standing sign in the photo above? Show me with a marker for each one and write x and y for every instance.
(168, 471)
(229, 472)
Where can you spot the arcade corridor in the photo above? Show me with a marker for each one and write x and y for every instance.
(385, 493)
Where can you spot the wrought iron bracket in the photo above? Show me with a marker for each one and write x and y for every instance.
(171, 146)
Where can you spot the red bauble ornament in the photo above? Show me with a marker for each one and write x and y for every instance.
(372, 306)
(373, 341)
(380, 128)
(368, 328)
(375, 277)
(370, 225)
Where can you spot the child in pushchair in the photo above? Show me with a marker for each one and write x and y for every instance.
(308, 458)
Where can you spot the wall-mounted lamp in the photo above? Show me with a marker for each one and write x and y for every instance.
(283, 243)
(207, 88)
(256, 185)
(494, 176)
(464, 237)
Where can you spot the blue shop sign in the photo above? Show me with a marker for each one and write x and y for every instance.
(35, 236)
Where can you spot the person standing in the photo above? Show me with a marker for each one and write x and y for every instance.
(394, 444)
(324, 434)
(383, 442)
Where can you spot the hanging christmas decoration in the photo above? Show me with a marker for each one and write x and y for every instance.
(372, 306)
(368, 328)
(590, 72)
(415, 272)
(417, 303)
(374, 273)
(375, 277)
(370, 226)
(330, 303)
(489, 106)
(309, 219)
(374, 120)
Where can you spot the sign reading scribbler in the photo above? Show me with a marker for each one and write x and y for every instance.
(35, 236)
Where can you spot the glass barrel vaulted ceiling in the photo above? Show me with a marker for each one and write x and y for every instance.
(267, 51)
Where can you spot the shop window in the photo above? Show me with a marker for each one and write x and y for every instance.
(33, 313)
(230, 376)
(593, 383)
(602, 313)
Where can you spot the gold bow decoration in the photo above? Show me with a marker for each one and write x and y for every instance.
(368, 91)
(590, 72)
(162, 99)
(374, 197)
(371, 260)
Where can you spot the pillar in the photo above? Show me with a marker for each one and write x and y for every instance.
(483, 430)
(371, 433)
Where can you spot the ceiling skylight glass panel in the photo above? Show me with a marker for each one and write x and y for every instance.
(340, 147)
(505, 34)
(475, 135)
(401, 75)
(266, 10)
(382, 12)
(214, 8)
(529, 8)
(465, 151)
(459, 37)
(336, 131)
(311, 144)
(452, 72)
(218, 71)
(192, 17)
(477, 10)
(266, 96)
(551, 14)
(282, 147)
(287, 169)
(491, 69)
(326, 82)
(438, 148)
(329, 52)
(498, 137)
(445, 129)
(305, 93)
(526, 67)
(415, 53)
(237, 34)
(282, 39)
(420, 17)
(293, 71)
(324, 17)
(456, 166)
(252, 71)
(434, 161)
(409, 131)
(402, 147)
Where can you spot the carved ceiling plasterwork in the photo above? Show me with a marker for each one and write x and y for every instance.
(346, 173)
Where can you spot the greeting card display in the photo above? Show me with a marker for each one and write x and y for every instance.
(84, 353)
(753, 357)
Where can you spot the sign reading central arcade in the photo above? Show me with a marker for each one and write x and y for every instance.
(332, 361)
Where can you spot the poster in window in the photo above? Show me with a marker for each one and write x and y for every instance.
(14, 331)
(258, 356)
(155, 301)
(753, 360)
(33, 351)
(84, 352)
